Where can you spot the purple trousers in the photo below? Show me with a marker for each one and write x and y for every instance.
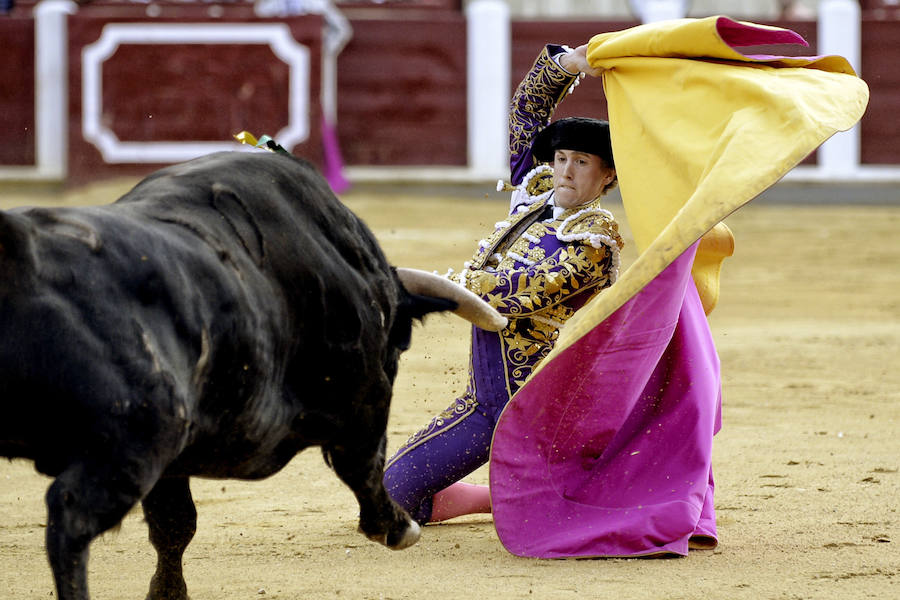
(455, 443)
(458, 440)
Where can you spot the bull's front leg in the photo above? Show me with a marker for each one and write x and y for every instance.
(380, 518)
(82, 504)
(172, 519)
(67, 550)
(358, 459)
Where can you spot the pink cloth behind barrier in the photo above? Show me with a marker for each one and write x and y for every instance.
(333, 168)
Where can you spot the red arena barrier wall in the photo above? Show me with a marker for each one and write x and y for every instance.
(880, 127)
(402, 89)
(17, 99)
(152, 84)
(148, 91)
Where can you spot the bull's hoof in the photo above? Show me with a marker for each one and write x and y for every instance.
(165, 588)
(407, 538)
(398, 540)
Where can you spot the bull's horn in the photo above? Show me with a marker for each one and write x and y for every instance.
(471, 307)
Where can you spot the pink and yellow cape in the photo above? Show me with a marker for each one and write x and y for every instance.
(606, 451)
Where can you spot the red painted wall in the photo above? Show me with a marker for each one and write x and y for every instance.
(191, 92)
(402, 89)
(401, 83)
(17, 111)
(880, 127)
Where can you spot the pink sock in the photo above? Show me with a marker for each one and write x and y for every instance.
(460, 499)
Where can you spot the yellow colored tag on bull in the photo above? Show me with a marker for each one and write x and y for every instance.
(245, 137)
(265, 142)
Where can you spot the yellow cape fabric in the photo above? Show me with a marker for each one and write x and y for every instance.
(698, 130)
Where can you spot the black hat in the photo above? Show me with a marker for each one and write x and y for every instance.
(581, 134)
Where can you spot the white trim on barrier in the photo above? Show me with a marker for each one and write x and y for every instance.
(276, 35)
(488, 50)
(50, 95)
(859, 174)
(839, 32)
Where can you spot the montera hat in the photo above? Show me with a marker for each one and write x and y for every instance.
(581, 134)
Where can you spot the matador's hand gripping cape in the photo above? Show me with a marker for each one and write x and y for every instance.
(606, 449)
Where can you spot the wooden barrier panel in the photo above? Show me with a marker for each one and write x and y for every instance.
(17, 100)
(148, 91)
(402, 89)
(136, 103)
(880, 126)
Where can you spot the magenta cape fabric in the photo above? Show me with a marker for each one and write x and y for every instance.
(607, 451)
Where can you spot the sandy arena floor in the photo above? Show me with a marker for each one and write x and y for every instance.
(808, 329)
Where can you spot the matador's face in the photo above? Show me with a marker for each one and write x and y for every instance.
(579, 177)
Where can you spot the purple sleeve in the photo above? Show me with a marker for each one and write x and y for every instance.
(532, 105)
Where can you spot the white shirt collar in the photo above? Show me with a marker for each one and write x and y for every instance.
(557, 210)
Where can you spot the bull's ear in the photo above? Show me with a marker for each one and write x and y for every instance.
(414, 307)
(239, 217)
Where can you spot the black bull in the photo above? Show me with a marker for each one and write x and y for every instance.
(219, 318)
